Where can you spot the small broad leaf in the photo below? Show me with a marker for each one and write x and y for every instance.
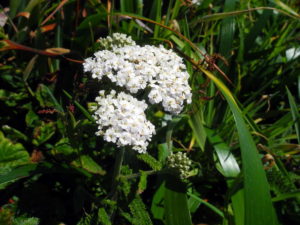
(13, 133)
(13, 174)
(31, 119)
(87, 163)
(63, 147)
(12, 154)
(43, 133)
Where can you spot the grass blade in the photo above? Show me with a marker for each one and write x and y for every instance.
(54, 100)
(258, 204)
(227, 32)
(295, 113)
(228, 162)
(176, 207)
(212, 207)
(80, 107)
(196, 124)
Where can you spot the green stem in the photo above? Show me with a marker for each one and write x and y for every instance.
(135, 175)
(116, 175)
(117, 169)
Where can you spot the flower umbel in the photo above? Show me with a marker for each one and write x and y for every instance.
(121, 120)
(159, 72)
(137, 68)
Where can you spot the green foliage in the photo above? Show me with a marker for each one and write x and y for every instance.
(139, 212)
(103, 217)
(12, 154)
(176, 206)
(150, 161)
(241, 130)
(25, 221)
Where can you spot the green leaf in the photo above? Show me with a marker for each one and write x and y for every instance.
(103, 217)
(285, 7)
(139, 212)
(12, 154)
(228, 163)
(43, 133)
(87, 163)
(294, 194)
(11, 99)
(175, 203)
(157, 207)
(32, 4)
(150, 161)
(31, 118)
(238, 205)
(157, 7)
(193, 204)
(256, 30)
(295, 113)
(64, 147)
(26, 221)
(196, 123)
(57, 106)
(227, 32)
(17, 173)
(29, 67)
(142, 182)
(80, 107)
(256, 187)
(218, 16)
(43, 97)
(230, 169)
(14, 6)
(163, 152)
(13, 133)
(212, 207)
(91, 21)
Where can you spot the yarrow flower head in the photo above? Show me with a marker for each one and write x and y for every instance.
(137, 68)
(121, 120)
(159, 72)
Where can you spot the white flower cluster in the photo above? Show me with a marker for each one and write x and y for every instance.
(121, 117)
(136, 68)
(121, 120)
(196, 2)
(117, 40)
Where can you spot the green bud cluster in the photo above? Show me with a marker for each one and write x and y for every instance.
(117, 40)
(180, 163)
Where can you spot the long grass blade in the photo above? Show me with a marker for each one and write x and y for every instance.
(295, 113)
(257, 191)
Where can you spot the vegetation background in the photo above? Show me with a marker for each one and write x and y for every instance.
(241, 131)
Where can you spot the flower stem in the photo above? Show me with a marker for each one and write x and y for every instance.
(117, 169)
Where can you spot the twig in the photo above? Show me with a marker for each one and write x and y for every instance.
(57, 8)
